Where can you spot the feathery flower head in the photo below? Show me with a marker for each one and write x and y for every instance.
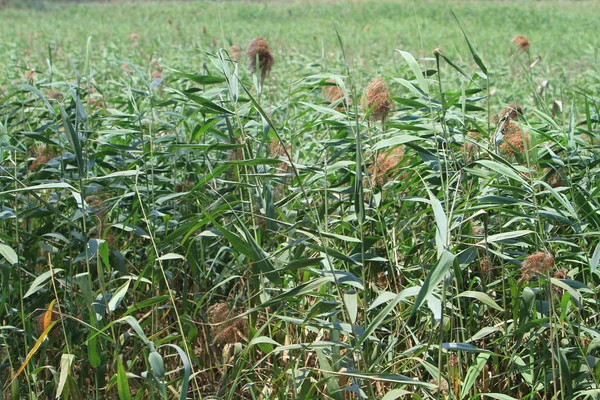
(516, 141)
(384, 164)
(539, 263)
(513, 111)
(522, 42)
(235, 52)
(258, 51)
(377, 98)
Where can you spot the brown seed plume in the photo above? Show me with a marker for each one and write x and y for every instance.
(560, 273)
(258, 51)
(384, 164)
(553, 177)
(377, 99)
(53, 94)
(513, 111)
(30, 75)
(235, 52)
(539, 263)
(516, 141)
(225, 329)
(277, 150)
(135, 39)
(332, 92)
(470, 149)
(521, 42)
(41, 157)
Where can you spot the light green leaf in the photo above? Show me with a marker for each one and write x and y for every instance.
(43, 186)
(483, 332)
(595, 258)
(39, 282)
(156, 364)
(498, 396)
(395, 140)
(137, 328)
(118, 296)
(416, 70)
(122, 381)
(66, 360)
(187, 368)
(118, 174)
(441, 224)
(383, 314)
(502, 169)
(9, 254)
(482, 297)
(435, 276)
(396, 394)
(505, 236)
(350, 300)
(472, 374)
(469, 348)
(171, 256)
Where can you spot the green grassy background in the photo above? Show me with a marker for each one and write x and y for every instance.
(303, 37)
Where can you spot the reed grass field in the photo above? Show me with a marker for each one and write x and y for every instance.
(301, 199)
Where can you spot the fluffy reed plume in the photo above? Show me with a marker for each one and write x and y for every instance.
(512, 111)
(377, 99)
(515, 141)
(332, 92)
(53, 94)
(553, 177)
(277, 150)
(235, 52)
(486, 267)
(258, 51)
(224, 329)
(560, 273)
(95, 98)
(539, 263)
(521, 42)
(41, 157)
(30, 75)
(384, 164)
(470, 149)
(135, 39)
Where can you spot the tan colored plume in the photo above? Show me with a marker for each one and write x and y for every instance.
(260, 57)
(377, 99)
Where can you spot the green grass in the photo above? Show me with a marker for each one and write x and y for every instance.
(168, 231)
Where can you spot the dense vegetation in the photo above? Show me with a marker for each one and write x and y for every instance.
(173, 226)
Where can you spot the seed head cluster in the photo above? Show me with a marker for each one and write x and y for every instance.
(41, 156)
(225, 329)
(235, 52)
(332, 92)
(513, 111)
(471, 150)
(539, 263)
(516, 140)
(377, 98)
(258, 51)
(521, 42)
(384, 164)
(277, 150)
